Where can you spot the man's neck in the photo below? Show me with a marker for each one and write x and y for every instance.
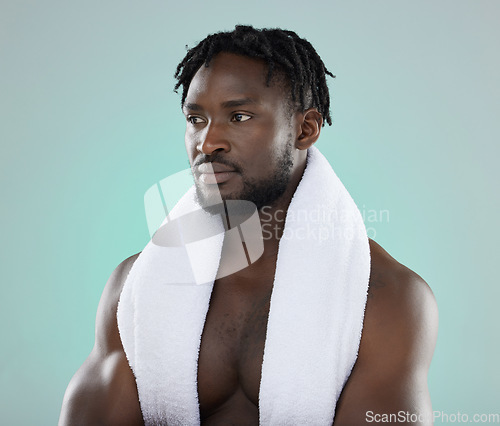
(272, 218)
(272, 223)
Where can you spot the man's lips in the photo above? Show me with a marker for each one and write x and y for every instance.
(213, 178)
(213, 173)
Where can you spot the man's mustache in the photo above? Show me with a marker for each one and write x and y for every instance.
(216, 158)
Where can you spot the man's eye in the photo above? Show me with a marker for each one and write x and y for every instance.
(194, 119)
(241, 117)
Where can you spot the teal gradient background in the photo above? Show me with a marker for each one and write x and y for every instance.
(89, 122)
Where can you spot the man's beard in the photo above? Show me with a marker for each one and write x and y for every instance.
(261, 192)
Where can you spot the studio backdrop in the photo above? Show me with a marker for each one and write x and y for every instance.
(89, 122)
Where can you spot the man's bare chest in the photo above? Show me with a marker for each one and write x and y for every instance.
(232, 345)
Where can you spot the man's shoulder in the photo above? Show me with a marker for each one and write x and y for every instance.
(397, 344)
(107, 338)
(121, 271)
(401, 310)
(118, 276)
(391, 280)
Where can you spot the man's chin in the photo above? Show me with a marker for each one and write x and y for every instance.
(211, 202)
(220, 204)
(214, 209)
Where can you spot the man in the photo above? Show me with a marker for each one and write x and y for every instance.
(255, 102)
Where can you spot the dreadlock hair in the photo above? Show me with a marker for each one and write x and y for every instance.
(283, 51)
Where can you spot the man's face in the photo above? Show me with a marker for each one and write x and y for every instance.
(243, 128)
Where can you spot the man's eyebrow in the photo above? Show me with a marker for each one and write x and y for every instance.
(238, 102)
(227, 104)
(192, 107)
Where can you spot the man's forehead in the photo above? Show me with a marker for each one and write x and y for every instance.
(235, 77)
(233, 62)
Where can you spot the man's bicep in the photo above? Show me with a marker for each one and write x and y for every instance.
(373, 394)
(102, 391)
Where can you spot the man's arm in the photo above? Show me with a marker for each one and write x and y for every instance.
(103, 390)
(398, 340)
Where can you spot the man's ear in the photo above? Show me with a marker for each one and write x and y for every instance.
(310, 128)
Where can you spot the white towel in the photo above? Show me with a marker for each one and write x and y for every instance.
(315, 319)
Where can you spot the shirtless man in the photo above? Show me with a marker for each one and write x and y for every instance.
(242, 120)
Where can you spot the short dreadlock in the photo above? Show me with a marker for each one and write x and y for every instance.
(284, 51)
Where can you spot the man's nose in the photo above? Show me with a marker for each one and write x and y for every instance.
(214, 138)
